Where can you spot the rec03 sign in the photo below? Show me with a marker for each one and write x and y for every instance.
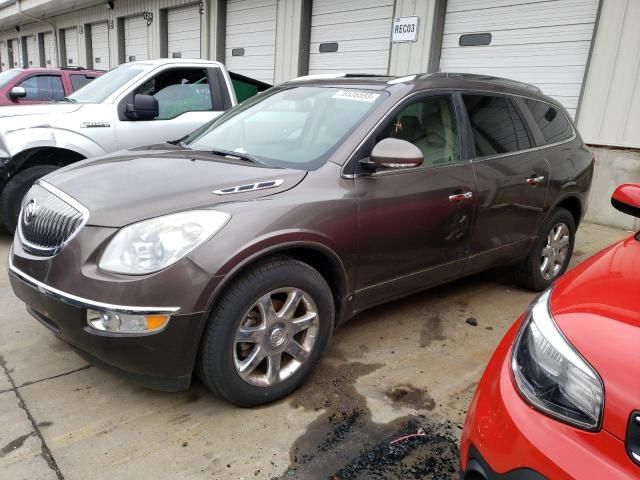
(405, 29)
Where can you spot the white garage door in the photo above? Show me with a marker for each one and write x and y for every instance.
(135, 39)
(183, 30)
(544, 44)
(100, 46)
(352, 36)
(30, 41)
(50, 59)
(250, 40)
(71, 47)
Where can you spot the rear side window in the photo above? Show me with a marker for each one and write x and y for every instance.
(553, 123)
(79, 81)
(43, 87)
(524, 141)
(491, 124)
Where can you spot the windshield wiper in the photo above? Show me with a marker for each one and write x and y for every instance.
(240, 156)
(67, 99)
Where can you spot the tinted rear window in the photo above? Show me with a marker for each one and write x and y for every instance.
(79, 81)
(491, 124)
(552, 122)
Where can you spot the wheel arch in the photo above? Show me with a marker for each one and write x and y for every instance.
(316, 255)
(45, 156)
(571, 202)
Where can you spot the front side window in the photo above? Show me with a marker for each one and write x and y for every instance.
(43, 87)
(179, 91)
(491, 125)
(430, 124)
(553, 123)
(297, 127)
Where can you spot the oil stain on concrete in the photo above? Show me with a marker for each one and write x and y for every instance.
(344, 443)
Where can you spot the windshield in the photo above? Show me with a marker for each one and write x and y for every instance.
(294, 128)
(102, 87)
(7, 76)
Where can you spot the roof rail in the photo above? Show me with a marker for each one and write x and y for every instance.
(492, 79)
(329, 76)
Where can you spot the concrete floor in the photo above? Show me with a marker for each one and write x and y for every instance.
(409, 364)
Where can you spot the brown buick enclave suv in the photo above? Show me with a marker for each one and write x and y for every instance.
(236, 251)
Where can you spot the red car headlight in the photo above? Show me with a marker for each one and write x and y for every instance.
(551, 375)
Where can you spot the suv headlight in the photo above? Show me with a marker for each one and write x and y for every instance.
(152, 245)
(551, 375)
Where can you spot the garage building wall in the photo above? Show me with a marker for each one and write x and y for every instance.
(610, 110)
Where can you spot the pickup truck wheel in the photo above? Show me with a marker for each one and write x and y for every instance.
(551, 252)
(15, 190)
(266, 332)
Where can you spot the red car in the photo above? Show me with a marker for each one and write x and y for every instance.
(25, 86)
(560, 398)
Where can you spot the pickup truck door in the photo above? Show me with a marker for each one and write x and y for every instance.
(188, 97)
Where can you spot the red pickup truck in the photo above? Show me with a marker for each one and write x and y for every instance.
(27, 86)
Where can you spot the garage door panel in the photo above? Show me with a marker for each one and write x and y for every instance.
(527, 36)
(521, 16)
(31, 51)
(247, 28)
(381, 13)
(346, 63)
(263, 62)
(253, 15)
(257, 51)
(353, 31)
(254, 40)
(100, 46)
(545, 45)
(71, 47)
(335, 6)
(49, 50)
(366, 45)
(238, 5)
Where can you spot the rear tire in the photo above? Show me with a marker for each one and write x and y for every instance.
(15, 190)
(550, 254)
(245, 351)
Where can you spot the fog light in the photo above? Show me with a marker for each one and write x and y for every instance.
(116, 322)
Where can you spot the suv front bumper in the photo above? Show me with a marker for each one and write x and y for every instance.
(162, 360)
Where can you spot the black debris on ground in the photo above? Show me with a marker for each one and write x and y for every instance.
(472, 321)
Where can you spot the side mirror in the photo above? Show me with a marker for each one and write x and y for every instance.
(626, 198)
(394, 153)
(17, 92)
(144, 107)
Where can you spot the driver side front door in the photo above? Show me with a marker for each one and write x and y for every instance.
(187, 99)
(415, 223)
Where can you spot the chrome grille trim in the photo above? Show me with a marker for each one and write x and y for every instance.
(59, 220)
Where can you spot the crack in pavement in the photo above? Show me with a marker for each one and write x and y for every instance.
(45, 451)
(26, 384)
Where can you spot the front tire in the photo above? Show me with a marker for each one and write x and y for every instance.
(15, 190)
(551, 252)
(266, 332)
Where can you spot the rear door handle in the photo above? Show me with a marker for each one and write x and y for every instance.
(460, 197)
(533, 181)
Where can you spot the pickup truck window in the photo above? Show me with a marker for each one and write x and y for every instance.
(179, 91)
(78, 81)
(43, 87)
(102, 87)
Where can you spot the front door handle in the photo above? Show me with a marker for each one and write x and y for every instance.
(533, 181)
(460, 197)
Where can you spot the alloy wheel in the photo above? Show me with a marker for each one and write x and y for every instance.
(275, 337)
(554, 253)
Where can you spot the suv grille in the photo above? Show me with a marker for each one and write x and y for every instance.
(49, 219)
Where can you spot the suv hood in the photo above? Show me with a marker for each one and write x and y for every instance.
(131, 186)
(597, 306)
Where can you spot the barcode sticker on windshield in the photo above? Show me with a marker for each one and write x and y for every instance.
(356, 95)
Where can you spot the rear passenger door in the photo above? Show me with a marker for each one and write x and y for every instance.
(512, 178)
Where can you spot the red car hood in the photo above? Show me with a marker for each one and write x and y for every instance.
(597, 306)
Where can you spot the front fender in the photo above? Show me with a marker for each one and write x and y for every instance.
(13, 142)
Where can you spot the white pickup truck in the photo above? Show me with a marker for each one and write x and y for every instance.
(135, 104)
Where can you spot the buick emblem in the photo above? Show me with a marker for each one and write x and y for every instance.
(30, 211)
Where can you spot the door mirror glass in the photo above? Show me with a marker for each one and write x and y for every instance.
(394, 153)
(17, 92)
(144, 107)
(626, 198)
